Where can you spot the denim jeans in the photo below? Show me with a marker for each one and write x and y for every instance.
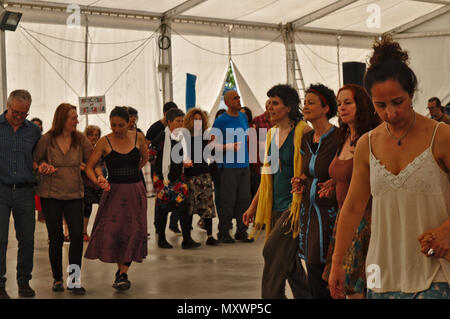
(21, 202)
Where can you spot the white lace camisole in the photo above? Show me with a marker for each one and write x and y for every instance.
(403, 207)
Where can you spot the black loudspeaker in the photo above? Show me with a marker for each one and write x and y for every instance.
(353, 72)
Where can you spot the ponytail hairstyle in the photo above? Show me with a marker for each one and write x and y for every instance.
(390, 62)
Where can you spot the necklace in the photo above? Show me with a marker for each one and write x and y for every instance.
(399, 140)
(317, 137)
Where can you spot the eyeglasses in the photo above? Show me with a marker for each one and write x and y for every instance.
(18, 113)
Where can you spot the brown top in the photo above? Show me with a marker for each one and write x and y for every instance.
(66, 183)
(341, 172)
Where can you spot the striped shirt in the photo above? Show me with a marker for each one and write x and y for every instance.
(16, 151)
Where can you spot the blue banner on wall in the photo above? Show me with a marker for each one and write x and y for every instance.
(190, 90)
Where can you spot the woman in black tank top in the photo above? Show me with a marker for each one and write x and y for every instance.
(119, 234)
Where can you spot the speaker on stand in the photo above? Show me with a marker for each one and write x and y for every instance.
(353, 72)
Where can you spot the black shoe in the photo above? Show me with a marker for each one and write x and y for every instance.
(190, 244)
(122, 283)
(26, 291)
(164, 244)
(3, 294)
(58, 286)
(211, 241)
(244, 238)
(175, 229)
(77, 290)
(225, 238)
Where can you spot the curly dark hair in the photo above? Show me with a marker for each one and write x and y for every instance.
(390, 62)
(327, 94)
(290, 98)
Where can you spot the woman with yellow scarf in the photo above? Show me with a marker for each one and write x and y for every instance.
(274, 204)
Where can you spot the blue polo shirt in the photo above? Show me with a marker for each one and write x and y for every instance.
(233, 129)
(16, 151)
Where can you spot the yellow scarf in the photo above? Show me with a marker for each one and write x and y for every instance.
(265, 201)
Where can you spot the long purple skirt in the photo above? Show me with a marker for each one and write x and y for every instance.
(119, 234)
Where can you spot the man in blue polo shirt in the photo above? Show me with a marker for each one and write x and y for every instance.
(18, 137)
(235, 196)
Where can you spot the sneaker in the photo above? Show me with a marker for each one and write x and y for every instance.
(225, 238)
(4, 294)
(26, 291)
(77, 290)
(175, 229)
(122, 283)
(190, 244)
(58, 286)
(244, 238)
(86, 237)
(211, 241)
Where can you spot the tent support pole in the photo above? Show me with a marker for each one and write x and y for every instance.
(3, 87)
(86, 79)
(165, 60)
(294, 72)
(338, 47)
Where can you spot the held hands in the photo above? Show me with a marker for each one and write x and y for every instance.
(326, 189)
(336, 281)
(232, 146)
(103, 183)
(298, 184)
(188, 164)
(435, 243)
(248, 217)
(46, 169)
(83, 167)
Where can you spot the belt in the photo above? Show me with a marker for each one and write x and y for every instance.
(19, 185)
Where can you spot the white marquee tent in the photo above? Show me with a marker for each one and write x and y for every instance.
(66, 49)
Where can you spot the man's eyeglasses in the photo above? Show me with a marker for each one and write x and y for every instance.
(18, 113)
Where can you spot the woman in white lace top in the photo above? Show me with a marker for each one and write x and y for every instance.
(404, 164)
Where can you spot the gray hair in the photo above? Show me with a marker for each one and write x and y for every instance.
(21, 95)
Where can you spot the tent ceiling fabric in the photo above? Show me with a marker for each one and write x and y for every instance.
(352, 16)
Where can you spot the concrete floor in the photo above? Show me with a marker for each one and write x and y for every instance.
(228, 271)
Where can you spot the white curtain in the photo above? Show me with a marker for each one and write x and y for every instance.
(27, 69)
(248, 99)
(207, 58)
(430, 61)
(138, 86)
(262, 65)
(125, 82)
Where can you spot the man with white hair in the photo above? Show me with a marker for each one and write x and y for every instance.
(18, 137)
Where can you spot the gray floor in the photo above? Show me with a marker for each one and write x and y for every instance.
(229, 271)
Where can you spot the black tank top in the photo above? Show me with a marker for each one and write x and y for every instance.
(123, 168)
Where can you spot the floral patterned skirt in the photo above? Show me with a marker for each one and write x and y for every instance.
(201, 199)
(171, 196)
(355, 258)
(437, 290)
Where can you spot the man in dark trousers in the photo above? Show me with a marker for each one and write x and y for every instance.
(18, 137)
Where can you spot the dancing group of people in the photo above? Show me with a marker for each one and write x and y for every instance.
(374, 191)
